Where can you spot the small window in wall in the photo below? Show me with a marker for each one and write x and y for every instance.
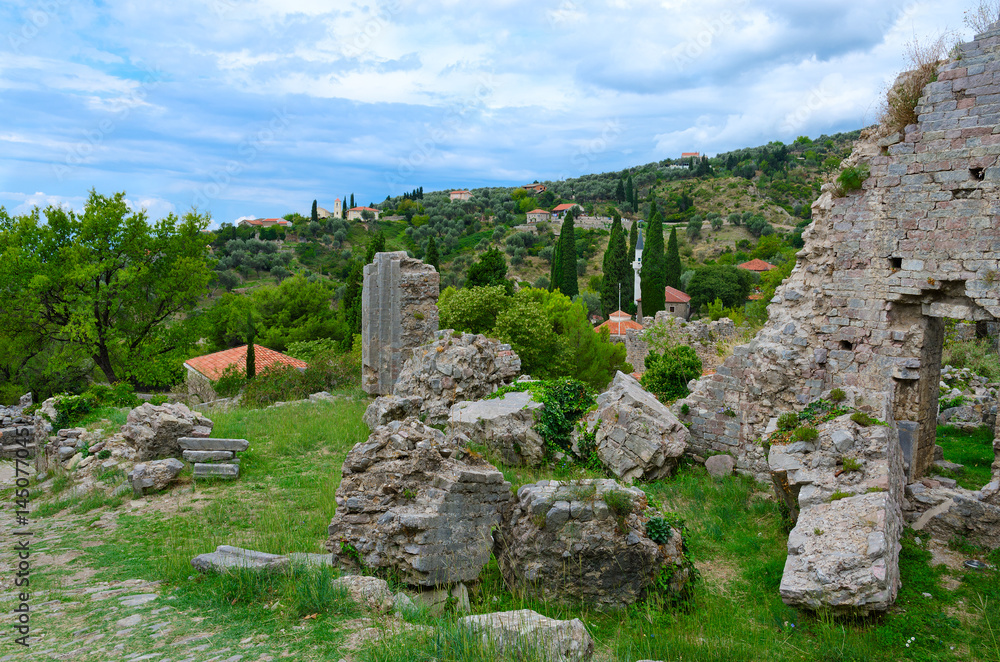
(977, 173)
(895, 263)
(671, 309)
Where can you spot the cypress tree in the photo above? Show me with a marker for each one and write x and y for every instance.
(617, 270)
(620, 192)
(629, 193)
(672, 262)
(314, 216)
(352, 202)
(251, 353)
(431, 257)
(652, 268)
(344, 207)
(567, 237)
(555, 271)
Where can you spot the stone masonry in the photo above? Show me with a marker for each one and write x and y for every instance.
(398, 313)
(881, 270)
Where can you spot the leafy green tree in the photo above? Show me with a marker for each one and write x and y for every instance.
(228, 279)
(734, 219)
(725, 282)
(490, 269)
(431, 257)
(376, 245)
(667, 375)
(618, 277)
(568, 283)
(694, 227)
(652, 274)
(472, 309)
(106, 283)
(672, 262)
(529, 331)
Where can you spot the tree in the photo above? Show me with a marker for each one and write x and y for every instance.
(344, 208)
(620, 192)
(106, 283)
(725, 282)
(652, 274)
(630, 193)
(251, 352)
(568, 283)
(555, 269)
(228, 279)
(667, 375)
(694, 227)
(617, 270)
(352, 202)
(490, 269)
(314, 216)
(376, 245)
(431, 256)
(472, 309)
(672, 262)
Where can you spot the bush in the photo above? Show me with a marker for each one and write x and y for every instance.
(472, 309)
(667, 375)
(838, 395)
(979, 356)
(850, 464)
(862, 419)
(283, 383)
(230, 383)
(806, 433)
(851, 178)
(788, 421)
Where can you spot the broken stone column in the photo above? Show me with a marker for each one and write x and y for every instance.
(398, 313)
(410, 502)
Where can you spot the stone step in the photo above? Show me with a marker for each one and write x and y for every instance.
(208, 456)
(208, 444)
(227, 471)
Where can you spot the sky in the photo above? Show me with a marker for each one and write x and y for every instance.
(254, 108)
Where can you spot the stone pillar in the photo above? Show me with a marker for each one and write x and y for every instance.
(398, 313)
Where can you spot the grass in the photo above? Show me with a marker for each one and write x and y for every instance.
(283, 503)
(973, 450)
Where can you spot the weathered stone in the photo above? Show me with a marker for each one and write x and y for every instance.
(556, 543)
(154, 430)
(505, 424)
(410, 502)
(446, 598)
(223, 471)
(720, 465)
(226, 558)
(635, 435)
(154, 475)
(453, 368)
(387, 408)
(206, 444)
(371, 592)
(398, 313)
(960, 515)
(526, 634)
(208, 456)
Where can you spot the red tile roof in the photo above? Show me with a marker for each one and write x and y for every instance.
(755, 297)
(619, 324)
(538, 211)
(684, 155)
(565, 206)
(674, 295)
(212, 365)
(453, 192)
(362, 209)
(261, 221)
(756, 265)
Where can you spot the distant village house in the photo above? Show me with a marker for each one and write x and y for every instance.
(560, 210)
(461, 195)
(534, 188)
(538, 216)
(260, 223)
(357, 213)
(758, 265)
(678, 304)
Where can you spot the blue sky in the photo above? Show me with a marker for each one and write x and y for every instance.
(256, 107)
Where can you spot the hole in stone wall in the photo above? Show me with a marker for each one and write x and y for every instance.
(895, 263)
(845, 344)
(977, 173)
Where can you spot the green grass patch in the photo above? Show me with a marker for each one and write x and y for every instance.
(973, 450)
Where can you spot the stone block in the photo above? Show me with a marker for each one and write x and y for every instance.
(224, 471)
(208, 456)
(226, 558)
(527, 635)
(505, 424)
(207, 444)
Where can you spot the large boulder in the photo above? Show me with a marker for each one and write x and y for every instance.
(454, 367)
(154, 475)
(586, 542)
(527, 635)
(505, 424)
(411, 502)
(153, 430)
(387, 408)
(635, 435)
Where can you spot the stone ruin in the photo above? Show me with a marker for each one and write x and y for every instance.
(398, 313)
(17, 430)
(703, 337)
(453, 367)
(864, 310)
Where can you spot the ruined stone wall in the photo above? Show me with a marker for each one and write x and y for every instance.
(703, 337)
(880, 270)
(398, 312)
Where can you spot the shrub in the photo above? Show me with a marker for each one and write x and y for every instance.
(620, 504)
(566, 401)
(230, 383)
(806, 433)
(104, 454)
(788, 421)
(667, 375)
(851, 178)
(838, 495)
(899, 108)
(838, 395)
(862, 419)
(979, 356)
(850, 464)
(658, 529)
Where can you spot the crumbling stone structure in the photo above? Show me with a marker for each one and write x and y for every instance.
(703, 337)
(881, 270)
(398, 313)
